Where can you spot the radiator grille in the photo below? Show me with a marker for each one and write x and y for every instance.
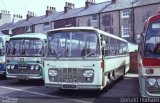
(23, 69)
(154, 90)
(69, 75)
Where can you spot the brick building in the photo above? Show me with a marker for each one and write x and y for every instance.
(123, 18)
(5, 17)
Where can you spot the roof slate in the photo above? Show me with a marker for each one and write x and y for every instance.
(50, 18)
(31, 21)
(5, 25)
(93, 9)
(11, 26)
(122, 4)
(70, 14)
(146, 2)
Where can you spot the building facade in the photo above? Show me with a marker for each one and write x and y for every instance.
(5, 17)
(140, 17)
(123, 18)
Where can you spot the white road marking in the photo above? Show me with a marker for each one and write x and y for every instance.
(42, 94)
(131, 75)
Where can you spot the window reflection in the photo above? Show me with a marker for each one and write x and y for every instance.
(25, 47)
(73, 44)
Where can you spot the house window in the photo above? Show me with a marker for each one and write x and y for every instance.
(29, 29)
(125, 31)
(125, 13)
(46, 26)
(94, 17)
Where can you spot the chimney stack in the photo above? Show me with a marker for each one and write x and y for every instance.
(50, 10)
(89, 3)
(68, 7)
(16, 17)
(5, 17)
(30, 15)
(5, 12)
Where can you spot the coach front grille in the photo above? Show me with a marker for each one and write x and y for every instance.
(69, 75)
(23, 69)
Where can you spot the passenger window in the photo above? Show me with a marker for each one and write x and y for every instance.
(120, 47)
(125, 48)
(106, 48)
(113, 47)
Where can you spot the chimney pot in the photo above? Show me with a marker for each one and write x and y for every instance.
(29, 15)
(89, 3)
(50, 10)
(68, 6)
(47, 7)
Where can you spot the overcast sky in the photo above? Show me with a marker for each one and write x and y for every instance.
(37, 6)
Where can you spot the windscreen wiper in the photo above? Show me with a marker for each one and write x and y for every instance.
(62, 52)
(89, 54)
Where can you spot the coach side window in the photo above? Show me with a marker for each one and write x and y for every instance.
(125, 48)
(113, 46)
(120, 47)
(106, 48)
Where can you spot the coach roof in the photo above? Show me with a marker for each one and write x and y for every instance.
(31, 35)
(89, 28)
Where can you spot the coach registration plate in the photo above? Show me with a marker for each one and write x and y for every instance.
(69, 86)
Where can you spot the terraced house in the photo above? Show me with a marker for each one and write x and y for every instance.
(123, 18)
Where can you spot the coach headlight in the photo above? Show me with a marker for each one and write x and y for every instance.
(52, 73)
(32, 67)
(158, 81)
(151, 81)
(36, 67)
(12, 66)
(88, 73)
(8, 66)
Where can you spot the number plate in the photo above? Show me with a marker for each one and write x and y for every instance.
(69, 86)
(22, 77)
(22, 67)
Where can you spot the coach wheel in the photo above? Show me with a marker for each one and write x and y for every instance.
(107, 87)
(122, 77)
(2, 77)
(109, 77)
(111, 80)
(113, 76)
